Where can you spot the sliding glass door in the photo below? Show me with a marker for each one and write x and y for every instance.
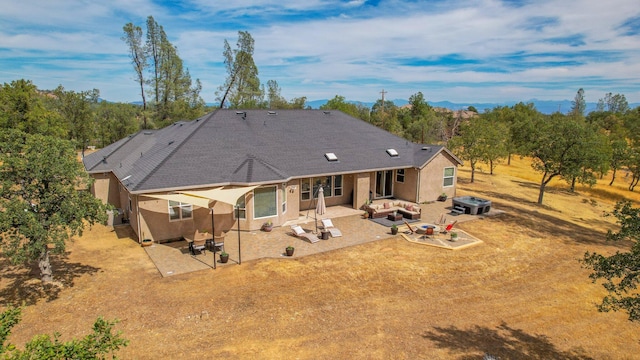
(384, 184)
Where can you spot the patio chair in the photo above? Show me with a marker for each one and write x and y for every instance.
(449, 227)
(298, 231)
(198, 245)
(411, 229)
(328, 226)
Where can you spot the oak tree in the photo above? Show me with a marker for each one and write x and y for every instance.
(620, 271)
(43, 197)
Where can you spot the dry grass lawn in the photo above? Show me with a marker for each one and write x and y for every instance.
(522, 294)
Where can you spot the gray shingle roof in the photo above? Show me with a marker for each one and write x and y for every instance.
(227, 147)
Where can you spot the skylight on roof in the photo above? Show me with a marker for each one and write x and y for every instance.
(331, 156)
(392, 152)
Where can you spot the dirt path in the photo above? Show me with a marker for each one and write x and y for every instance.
(521, 294)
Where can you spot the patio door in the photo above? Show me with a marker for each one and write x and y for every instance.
(384, 182)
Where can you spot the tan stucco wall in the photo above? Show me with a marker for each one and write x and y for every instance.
(406, 190)
(105, 188)
(362, 186)
(431, 178)
(344, 199)
(156, 225)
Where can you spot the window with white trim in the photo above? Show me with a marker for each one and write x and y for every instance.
(449, 175)
(264, 202)
(305, 189)
(179, 210)
(331, 186)
(400, 175)
(337, 185)
(284, 199)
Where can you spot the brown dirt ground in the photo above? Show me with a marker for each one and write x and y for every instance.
(520, 294)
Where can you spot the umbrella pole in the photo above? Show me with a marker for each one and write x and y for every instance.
(213, 239)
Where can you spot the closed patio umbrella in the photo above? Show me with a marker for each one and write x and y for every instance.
(321, 208)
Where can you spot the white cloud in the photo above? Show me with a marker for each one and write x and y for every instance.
(348, 47)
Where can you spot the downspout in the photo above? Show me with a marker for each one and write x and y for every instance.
(418, 188)
(138, 217)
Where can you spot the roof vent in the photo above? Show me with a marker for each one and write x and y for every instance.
(392, 152)
(170, 142)
(104, 159)
(327, 112)
(148, 133)
(331, 157)
(272, 113)
(243, 113)
(426, 148)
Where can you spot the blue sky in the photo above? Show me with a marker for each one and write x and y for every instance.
(459, 50)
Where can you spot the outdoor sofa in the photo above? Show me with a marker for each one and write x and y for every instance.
(407, 209)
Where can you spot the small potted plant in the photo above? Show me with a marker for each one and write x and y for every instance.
(442, 197)
(289, 250)
(394, 229)
(224, 257)
(454, 236)
(268, 226)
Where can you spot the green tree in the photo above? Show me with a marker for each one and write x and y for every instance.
(385, 116)
(524, 119)
(339, 103)
(114, 121)
(97, 345)
(274, 99)
(23, 107)
(620, 271)
(578, 105)
(175, 96)
(479, 140)
(77, 109)
(153, 46)
(139, 58)
(420, 122)
(613, 103)
(557, 147)
(44, 198)
(241, 88)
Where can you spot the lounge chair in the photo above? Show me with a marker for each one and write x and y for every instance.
(328, 226)
(299, 232)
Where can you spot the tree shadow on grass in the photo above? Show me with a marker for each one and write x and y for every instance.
(21, 284)
(504, 342)
(538, 224)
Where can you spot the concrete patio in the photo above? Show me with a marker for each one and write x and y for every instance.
(174, 258)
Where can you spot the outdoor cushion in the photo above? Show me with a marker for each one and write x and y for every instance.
(298, 230)
(386, 205)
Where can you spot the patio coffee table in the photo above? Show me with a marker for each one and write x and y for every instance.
(395, 217)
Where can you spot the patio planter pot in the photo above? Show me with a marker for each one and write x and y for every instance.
(289, 251)
(224, 257)
(146, 242)
(394, 231)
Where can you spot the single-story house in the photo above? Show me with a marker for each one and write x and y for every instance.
(263, 166)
